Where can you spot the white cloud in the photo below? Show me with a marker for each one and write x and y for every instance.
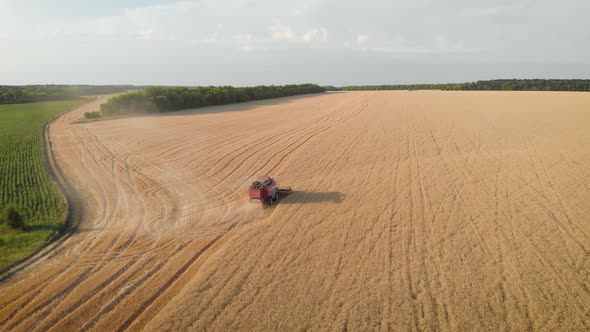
(361, 39)
(282, 35)
(248, 37)
(505, 8)
(279, 32)
(233, 34)
(316, 34)
(145, 35)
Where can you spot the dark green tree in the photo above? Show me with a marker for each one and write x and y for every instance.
(11, 217)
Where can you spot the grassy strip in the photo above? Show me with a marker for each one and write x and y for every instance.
(24, 180)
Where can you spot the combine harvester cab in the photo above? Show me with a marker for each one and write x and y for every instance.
(266, 190)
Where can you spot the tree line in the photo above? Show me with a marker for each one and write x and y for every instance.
(11, 94)
(401, 87)
(529, 85)
(166, 99)
(495, 85)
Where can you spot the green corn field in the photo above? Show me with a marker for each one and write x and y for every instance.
(24, 180)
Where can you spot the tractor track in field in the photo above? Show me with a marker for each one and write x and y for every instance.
(410, 211)
(89, 262)
(191, 261)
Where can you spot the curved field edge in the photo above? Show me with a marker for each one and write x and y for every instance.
(65, 193)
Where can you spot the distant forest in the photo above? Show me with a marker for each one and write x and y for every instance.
(173, 98)
(400, 87)
(164, 99)
(35, 93)
(496, 85)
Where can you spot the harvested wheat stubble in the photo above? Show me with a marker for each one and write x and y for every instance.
(411, 211)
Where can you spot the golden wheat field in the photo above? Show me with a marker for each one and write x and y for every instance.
(424, 210)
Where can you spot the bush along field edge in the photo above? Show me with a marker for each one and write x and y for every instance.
(169, 99)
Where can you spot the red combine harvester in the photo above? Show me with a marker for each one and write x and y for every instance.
(266, 189)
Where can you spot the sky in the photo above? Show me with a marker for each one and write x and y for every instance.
(252, 42)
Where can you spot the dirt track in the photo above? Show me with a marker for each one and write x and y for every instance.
(411, 211)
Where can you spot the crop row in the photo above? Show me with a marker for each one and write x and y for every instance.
(24, 180)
